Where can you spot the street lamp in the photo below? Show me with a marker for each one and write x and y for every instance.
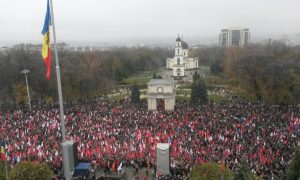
(25, 71)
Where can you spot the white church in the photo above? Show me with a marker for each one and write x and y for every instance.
(181, 61)
(161, 92)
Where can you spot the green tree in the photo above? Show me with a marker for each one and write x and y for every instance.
(211, 171)
(31, 170)
(243, 172)
(196, 76)
(135, 94)
(2, 170)
(293, 172)
(199, 93)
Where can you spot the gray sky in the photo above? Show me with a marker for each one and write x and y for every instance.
(104, 20)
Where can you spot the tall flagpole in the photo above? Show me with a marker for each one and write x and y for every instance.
(61, 106)
(6, 168)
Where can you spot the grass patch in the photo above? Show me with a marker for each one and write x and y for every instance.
(183, 91)
(186, 86)
(214, 80)
(233, 83)
(246, 95)
(141, 79)
(217, 99)
(182, 98)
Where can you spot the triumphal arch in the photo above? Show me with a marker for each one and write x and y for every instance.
(161, 94)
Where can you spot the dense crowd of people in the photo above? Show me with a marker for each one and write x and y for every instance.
(110, 133)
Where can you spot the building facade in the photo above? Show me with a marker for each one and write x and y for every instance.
(161, 94)
(181, 61)
(234, 37)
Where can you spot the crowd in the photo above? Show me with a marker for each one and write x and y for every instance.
(110, 133)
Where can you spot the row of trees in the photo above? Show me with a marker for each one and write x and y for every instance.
(84, 74)
(268, 73)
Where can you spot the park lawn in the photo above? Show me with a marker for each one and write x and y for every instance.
(243, 93)
(141, 79)
(216, 80)
(182, 98)
(185, 86)
(217, 99)
(183, 92)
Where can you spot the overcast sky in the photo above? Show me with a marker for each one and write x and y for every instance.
(103, 20)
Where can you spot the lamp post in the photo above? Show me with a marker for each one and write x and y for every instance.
(25, 71)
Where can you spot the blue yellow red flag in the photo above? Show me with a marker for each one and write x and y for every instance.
(46, 51)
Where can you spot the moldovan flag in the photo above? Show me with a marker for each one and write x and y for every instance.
(46, 51)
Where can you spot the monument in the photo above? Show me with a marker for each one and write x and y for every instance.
(161, 95)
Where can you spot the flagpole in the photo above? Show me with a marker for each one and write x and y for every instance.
(6, 168)
(61, 107)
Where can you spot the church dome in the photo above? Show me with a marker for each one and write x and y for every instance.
(178, 39)
(184, 45)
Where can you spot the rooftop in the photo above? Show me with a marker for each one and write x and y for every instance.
(184, 45)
